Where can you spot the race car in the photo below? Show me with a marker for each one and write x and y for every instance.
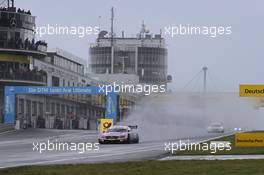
(119, 134)
(216, 128)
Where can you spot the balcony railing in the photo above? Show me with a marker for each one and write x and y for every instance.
(24, 75)
(19, 44)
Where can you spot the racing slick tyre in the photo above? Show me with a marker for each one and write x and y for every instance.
(136, 140)
(100, 142)
(128, 139)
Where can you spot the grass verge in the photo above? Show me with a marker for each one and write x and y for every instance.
(197, 167)
(233, 151)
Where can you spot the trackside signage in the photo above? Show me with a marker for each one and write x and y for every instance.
(11, 91)
(105, 124)
(250, 90)
(249, 139)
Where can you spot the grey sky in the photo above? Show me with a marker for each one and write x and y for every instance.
(233, 59)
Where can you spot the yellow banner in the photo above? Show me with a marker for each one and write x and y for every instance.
(251, 90)
(249, 139)
(105, 124)
(14, 58)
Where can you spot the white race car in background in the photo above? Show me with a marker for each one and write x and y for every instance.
(216, 128)
(119, 134)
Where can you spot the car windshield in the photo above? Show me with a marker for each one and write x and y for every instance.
(216, 125)
(117, 130)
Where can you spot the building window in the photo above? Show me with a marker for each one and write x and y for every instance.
(47, 107)
(63, 109)
(3, 39)
(41, 109)
(21, 106)
(68, 109)
(55, 81)
(34, 108)
(58, 109)
(28, 108)
(52, 108)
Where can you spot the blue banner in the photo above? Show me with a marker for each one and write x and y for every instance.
(111, 106)
(11, 91)
(9, 106)
(54, 90)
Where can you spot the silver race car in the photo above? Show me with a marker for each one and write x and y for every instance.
(119, 134)
(216, 128)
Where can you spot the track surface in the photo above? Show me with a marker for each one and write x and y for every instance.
(16, 148)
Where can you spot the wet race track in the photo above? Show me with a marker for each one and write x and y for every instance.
(17, 148)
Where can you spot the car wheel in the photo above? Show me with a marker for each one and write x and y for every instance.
(137, 140)
(128, 139)
(101, 142)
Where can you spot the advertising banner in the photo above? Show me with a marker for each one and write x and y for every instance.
(11, 91)
(105, 124)
(249, 139)
(111, 106)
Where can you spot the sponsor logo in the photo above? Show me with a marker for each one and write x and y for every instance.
(105, 124)
(251, 90)
(249, 140)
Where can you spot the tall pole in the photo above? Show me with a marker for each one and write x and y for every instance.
(112, 26)
(204, 85)
(112, 40)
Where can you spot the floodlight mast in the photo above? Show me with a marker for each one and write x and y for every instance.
(112, 26)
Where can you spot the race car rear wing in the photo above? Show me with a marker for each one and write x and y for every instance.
(133, 126)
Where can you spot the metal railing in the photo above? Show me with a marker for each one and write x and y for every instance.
(24, 45)
(37, 76)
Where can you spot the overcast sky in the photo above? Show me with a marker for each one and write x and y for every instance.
(232, 59)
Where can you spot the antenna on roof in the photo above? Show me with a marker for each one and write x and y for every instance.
(143, 30)
(99, 23)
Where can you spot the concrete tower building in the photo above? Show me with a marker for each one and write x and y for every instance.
(143, 56)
